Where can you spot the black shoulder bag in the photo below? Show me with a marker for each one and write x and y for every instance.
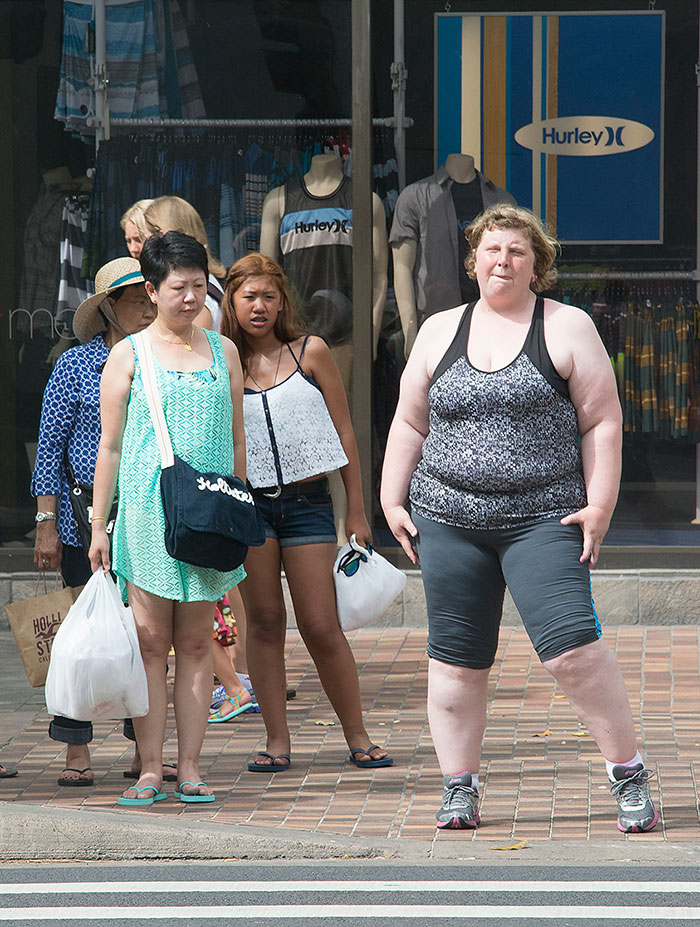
(210, 518)
(81, 503)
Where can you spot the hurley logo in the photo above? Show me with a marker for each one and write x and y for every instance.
(333, 225)
(584, 135)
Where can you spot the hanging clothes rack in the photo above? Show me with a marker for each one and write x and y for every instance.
(383, 122)
(630, 275)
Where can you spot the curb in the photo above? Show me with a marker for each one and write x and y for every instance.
(34, 833)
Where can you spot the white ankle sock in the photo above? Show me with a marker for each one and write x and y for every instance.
(637, 758)
(245, 681)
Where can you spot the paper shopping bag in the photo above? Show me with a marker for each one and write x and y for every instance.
(34, 623)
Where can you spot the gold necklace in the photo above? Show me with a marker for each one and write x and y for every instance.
(277, 370)
(185, 344)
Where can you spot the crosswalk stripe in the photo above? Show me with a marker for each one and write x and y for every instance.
(220, 887)
(306, 911)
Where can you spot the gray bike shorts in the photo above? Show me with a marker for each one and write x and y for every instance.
(465, 574)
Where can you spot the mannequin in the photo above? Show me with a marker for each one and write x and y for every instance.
(323, 179)
(425, 241)
(328, 308)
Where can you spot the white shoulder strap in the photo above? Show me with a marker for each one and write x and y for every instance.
(155, 404)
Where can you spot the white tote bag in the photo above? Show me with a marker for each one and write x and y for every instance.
(96, 670)
(365, 585)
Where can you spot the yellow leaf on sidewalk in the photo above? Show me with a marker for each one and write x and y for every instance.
(580, 734)
(542, 734)
(520, 845)
(559, 696)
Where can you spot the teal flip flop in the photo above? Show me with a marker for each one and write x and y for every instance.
(216, 718)
(192, 799)
(143, 802)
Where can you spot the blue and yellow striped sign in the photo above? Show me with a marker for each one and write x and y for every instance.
(564, 110)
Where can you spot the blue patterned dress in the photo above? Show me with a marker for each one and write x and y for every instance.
(199, 415)
(70, 421)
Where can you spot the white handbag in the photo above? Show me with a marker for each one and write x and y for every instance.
(365, 585)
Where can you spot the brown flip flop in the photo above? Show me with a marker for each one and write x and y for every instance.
(76, 783)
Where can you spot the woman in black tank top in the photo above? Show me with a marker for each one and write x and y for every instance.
(507, 443)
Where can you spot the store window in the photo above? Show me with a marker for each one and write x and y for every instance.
(628, 261)
(525, 103)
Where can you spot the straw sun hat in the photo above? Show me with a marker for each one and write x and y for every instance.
(88, 321)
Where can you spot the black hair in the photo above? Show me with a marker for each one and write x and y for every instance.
(161, 254)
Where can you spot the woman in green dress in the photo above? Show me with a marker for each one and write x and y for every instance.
(201, 385)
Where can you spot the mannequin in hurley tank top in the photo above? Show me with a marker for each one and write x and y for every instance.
(318, 264)
(323, 179)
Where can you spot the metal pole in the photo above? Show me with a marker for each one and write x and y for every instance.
(398, 85)
(696, 520)
(100, 77)
(361, 406)
(697, 172)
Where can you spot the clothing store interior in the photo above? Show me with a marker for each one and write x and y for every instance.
(587, 117)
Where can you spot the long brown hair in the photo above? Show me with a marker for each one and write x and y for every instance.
(257, 265)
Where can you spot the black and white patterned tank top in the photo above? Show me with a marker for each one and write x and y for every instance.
(503, 446)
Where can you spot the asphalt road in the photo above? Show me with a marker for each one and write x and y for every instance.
(346, 892)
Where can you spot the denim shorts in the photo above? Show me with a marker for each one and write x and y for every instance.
(296, 518)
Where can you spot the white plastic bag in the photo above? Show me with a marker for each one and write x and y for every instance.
(365, 585)
(96, 670)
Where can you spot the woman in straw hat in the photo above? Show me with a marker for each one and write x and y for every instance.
(70, 429)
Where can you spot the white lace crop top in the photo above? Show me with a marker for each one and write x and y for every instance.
(289, 432)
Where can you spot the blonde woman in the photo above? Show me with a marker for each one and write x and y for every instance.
(173, 214)
(134, 225)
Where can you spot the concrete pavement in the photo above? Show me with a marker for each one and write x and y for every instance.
(543, 784)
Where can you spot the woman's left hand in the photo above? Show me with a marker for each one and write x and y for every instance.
(594, 522)
(359, 526)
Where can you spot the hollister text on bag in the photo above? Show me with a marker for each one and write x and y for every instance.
(34, 623)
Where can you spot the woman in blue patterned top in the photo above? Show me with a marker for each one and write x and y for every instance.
(70, 425)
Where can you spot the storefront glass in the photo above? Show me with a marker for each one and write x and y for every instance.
(256, 60)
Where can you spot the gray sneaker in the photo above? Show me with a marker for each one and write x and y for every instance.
(460, 801)
(636, 811)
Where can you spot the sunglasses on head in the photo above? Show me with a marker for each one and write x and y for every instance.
(350, 563)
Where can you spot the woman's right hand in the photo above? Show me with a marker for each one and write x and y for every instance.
(47, 546)
(98, 554)
(403, 529)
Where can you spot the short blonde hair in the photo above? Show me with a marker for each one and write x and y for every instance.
(173, 214)
(504, 216)
(137, 214)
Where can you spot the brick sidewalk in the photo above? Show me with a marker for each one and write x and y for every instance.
(542, 777)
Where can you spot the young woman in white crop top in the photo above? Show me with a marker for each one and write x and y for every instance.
(298, 428)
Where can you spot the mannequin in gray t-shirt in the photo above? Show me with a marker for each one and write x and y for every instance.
(429, 274)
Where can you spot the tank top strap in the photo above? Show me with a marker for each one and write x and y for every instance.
(458, 347)
(298, 360)
(217, 349)
(535, 348)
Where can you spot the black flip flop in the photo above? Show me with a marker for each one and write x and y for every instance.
(270, 767)
(369, 764)
(7, 772)
(76, 783)
(168, 777)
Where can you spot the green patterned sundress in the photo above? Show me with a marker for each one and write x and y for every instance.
(199, 415)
